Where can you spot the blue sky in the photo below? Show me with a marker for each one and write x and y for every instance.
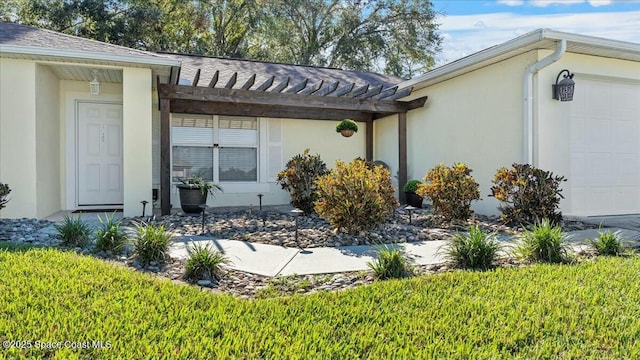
(468, 26)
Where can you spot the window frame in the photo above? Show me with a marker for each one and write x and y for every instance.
(215, 145)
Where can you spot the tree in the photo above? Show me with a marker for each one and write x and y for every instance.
(391, 36)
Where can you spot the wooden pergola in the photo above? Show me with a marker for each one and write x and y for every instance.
(303, 100)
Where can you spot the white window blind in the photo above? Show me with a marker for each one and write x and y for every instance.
(238, 164)
(191, 161)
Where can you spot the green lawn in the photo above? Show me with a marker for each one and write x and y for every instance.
(591, 310)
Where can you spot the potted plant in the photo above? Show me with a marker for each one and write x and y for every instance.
(409, 189)
(347, 127)
(193, 193)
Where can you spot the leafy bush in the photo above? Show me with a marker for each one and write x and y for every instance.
(391, 264)
(544, 243)
(204, 263)
(607, 243)
(4, 193)
(527, 194)
(73, 231)
(411, 186)
(152, 243)
(451, 190)
(110, 237)
(299, 179)
(347, 124)
(354, 197)
(473, 250)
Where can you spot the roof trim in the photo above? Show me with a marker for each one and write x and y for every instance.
(88, 55)
(465, 64)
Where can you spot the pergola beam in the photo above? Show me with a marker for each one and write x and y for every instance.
(256, 98)
(273, 111)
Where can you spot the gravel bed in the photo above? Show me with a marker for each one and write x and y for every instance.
(275, 228)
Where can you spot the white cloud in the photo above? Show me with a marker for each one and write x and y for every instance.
(597, 3)
(545, 3)
(462, 36)
(511, 2)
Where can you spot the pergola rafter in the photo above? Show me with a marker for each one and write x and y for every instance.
(306, 99)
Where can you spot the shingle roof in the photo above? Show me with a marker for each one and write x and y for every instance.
(22, 35)
(264, 70)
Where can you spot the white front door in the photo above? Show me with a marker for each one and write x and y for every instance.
(605, 148)
(99, 154)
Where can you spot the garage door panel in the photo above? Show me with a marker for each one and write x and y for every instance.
(599, 200)
(605, 148)
(599, 105)
(626, 199)
(578, 170)
(624, 172)
(598, 136)
(624, 136)
(599, 169)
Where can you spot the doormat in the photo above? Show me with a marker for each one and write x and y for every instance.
(85, 211)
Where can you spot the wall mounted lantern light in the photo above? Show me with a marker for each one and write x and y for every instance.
(563, 90)
(94, 85)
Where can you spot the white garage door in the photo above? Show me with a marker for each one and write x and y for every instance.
(605, 148)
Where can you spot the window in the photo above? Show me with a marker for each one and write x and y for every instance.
(219, 148)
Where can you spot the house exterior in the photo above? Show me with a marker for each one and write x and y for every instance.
(495, 108)
(63, 148)
(159, 117)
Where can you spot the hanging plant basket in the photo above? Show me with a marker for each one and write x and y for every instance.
(346, 132)
(347, 127)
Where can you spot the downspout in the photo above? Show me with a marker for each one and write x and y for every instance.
(561, 48)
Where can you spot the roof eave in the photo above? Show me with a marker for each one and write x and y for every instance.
(88, 55)
(462, 65)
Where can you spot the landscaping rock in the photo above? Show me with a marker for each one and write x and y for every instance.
(205, 283)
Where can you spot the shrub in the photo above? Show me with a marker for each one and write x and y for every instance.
(73, 231)
(473, 250)
(451, 190)
(608, 243)
(354, 197)
(152, 243)
(347, 124)
(544, 243)
(4, 192)
(527, 194)
(411, 186)
(110, 237)
(391, 264)
(204, 263)
(299, 179)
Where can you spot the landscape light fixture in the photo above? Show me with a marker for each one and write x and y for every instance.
(563, 89)
(94, 85)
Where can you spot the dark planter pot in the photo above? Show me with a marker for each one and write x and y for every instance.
(414, 199)
(191, 197)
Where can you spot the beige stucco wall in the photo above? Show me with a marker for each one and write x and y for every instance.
(385, 140)
(320, 136)
(137, 133)
(476, 119)
(47, 142)
(552, 129)
(18, 136)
